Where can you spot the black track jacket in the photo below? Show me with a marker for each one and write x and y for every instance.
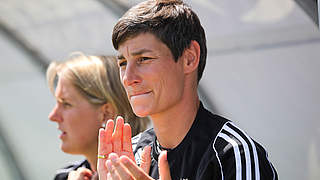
(214, 148)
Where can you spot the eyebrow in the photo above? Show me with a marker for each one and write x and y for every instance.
(141, 51)
(120, 56)
(61, 99)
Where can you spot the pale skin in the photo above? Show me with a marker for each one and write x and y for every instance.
(160, 88)
(116, 140)
(73, 115)
(113, 145)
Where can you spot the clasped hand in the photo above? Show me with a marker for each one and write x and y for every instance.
(118, 159)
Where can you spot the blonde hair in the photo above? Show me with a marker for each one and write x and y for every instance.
(97, 79)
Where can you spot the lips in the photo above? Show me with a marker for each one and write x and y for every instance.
(62, 134)
(138, 94)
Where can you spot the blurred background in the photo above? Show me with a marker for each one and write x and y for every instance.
(263, 72)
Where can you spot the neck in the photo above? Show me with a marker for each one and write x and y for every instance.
(175, 122)
(92, 158)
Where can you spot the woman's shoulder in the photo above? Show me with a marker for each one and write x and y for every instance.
(62, 174)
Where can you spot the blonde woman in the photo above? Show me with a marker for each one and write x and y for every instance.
(88, 92)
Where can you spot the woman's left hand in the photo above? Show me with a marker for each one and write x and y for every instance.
(112, 140)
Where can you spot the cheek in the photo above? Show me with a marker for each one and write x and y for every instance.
(91, 120)
(86, 130)
(171, 79)
(84, 121)
(168, 88)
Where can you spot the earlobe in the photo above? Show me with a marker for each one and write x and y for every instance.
(192, 57)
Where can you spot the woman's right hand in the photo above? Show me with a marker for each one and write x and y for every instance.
(80, 174)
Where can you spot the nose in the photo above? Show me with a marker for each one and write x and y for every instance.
(54, 115)
(130, 76)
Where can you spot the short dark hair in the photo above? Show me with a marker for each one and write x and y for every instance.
(172, 21)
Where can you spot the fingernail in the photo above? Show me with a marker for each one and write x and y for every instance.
(113, 157)
(124, 160)
(119, 119)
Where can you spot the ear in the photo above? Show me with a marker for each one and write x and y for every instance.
(108, 112)
(191, 57)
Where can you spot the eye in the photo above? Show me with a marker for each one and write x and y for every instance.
(66, 104)
(122, 63)
(143, 59)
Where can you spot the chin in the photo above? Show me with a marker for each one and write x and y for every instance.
(64, 148)
(141, 112)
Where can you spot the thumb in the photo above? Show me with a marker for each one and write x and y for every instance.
(164, 169)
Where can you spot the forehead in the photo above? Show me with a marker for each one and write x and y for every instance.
(146, 42)
(65, 89)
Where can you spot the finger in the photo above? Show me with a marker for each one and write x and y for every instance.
(121, 170)
(104, 147)
(164, 170)
(117, 135)
(80, 173)
(72, 175)
(112, 171)
(108, 176)
(105, 139)
(146, 159)
(109, 130)
(135, 170)
(84, 172)
(126, 142)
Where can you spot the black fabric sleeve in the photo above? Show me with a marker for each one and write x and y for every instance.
(62, 174)
(241, 157)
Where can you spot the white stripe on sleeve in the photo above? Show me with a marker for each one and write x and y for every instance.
(236, 154)
(246, 151)
(255, 154)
